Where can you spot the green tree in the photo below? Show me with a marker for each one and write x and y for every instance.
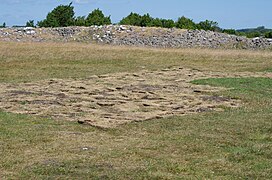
(80, 21)
(133, 19)
(4, 25)
(185, 23)
(168, 23)
(156, 23)
(146, 20)
(268, 34)
(30, 23)
(207, 25)
(96, 17)
(241, 34)
(230, 31)
(253, 34)
(61, 16)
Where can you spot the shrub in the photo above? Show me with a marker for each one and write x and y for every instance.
(253, 34)
(80, 21)
(268, 34)
(146, 20)
(156, 23)
(185, 23)
(96, 17)
(30, 23)
(230, 31)
(207, 25)
(168, 23)
(133, 19)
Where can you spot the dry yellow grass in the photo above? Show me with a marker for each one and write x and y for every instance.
(36, 61)
(234, 144)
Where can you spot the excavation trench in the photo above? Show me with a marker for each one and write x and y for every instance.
(114, 99)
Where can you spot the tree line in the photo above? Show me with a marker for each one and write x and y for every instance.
(64, 15)
(250, 33)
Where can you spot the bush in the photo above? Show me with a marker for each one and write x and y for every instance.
(61, 16)
(185, 23)
(156, 23)
(30, 23)
(207, 25)
(133, 19)
(230, 31)
(96, 17)
(168, 23)
(268, 34)
(80, 21)
(253, 34)
(146, 20)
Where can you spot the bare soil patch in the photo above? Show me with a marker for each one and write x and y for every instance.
(114, 99)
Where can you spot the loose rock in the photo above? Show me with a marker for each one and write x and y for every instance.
(135, 36)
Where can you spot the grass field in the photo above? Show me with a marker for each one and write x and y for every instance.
(233, 144)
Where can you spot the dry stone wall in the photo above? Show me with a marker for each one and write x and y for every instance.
(135, 36)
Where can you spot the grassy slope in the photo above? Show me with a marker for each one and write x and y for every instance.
(231, 144)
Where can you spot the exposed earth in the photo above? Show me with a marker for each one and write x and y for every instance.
(114, 99)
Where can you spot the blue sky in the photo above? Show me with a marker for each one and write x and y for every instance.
(228, 13)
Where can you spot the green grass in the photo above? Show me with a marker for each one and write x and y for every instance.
(247, 89)
(234, 144)
(268, 70)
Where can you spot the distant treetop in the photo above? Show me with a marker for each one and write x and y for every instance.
(96, 17)
(61, 16)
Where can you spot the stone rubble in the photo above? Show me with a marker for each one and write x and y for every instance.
(135, 36)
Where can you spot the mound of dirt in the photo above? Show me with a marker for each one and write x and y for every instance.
(114, 99)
